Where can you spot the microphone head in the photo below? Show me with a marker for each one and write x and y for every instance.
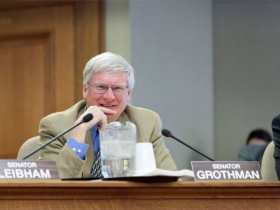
(166, 133)
(87, 118)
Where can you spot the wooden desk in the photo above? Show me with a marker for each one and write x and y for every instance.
(56, 194)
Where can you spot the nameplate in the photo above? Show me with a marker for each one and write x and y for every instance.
(26, 169)
(226, 170)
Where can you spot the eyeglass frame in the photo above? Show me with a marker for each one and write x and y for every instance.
(108, 88)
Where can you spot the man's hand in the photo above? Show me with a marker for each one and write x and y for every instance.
(99, 118)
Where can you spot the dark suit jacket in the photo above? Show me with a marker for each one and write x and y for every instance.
(69, 165)
(276, 139)
(252, 153)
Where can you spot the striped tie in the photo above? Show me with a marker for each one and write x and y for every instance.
(96, 168)
(96, 171)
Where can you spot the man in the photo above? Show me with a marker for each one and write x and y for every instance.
(108, 82)
(256, 143)
(276, 139)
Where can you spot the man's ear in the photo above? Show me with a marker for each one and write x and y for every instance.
(85, 91)
(128, 96)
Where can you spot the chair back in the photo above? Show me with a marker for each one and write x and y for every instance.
(268, 164)
(27, 147)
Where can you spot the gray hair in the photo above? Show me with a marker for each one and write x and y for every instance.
(109, 63)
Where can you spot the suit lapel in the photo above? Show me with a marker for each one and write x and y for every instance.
(123, 118)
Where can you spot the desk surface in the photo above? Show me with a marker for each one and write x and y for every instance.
(56, 194)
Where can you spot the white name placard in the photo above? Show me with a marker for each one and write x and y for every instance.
(27, 169)
(226, 170)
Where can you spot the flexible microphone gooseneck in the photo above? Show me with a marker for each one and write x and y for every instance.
(85, 119)
(167, 133)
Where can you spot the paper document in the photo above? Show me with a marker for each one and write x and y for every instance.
(161, 172)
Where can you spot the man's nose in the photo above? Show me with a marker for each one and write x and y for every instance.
(109, 93)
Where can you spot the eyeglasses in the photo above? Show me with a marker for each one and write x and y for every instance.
(102, 88)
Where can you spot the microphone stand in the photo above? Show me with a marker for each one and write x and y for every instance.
(191, 148)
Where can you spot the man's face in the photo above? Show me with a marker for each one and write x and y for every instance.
(109, 99)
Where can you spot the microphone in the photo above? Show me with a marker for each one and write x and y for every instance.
(167, 133)
(85, 119)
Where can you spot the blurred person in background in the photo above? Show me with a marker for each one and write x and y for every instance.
(256, 143)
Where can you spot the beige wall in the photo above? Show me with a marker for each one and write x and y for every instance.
(117, 28)
(246, 68)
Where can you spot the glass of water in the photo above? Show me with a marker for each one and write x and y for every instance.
(117, 148)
